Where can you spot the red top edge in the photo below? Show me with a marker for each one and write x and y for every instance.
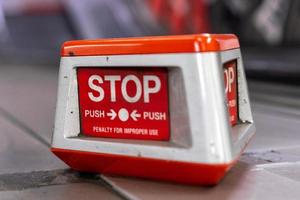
(150, 45)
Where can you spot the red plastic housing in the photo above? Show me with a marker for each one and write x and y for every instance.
(151, 45)
(164, 170)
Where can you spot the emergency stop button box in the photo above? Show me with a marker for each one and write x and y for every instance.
(172, 108)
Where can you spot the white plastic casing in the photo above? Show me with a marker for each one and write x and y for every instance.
(199, 119)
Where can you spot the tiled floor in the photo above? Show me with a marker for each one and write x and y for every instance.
(27, 107)
(19, 152)
(242, 182)
(269, 169)
(28, 93)
(275, 130)
(61, 192)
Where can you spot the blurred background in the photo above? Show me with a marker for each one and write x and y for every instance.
(33, 30)
(31, 34)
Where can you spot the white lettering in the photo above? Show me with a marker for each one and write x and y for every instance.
(147, 89)
(229, 79)
(94, 113)
(112, 79)
(95, 81)
(96, 88)
(155, 115)
(138, 85)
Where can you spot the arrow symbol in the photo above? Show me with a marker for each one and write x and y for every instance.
(112, 114)
(134, 115)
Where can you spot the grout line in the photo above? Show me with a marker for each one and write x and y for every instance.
(14, 120)
(37, 179)
(121, 192)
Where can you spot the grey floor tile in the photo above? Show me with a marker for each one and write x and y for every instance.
(274, 130)
(280, 155)
(289, 164)
(289, 169)
(242, 182)
(29, 94)
(21, 153)
(292, 151)
(276, 110)
(64, 192)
